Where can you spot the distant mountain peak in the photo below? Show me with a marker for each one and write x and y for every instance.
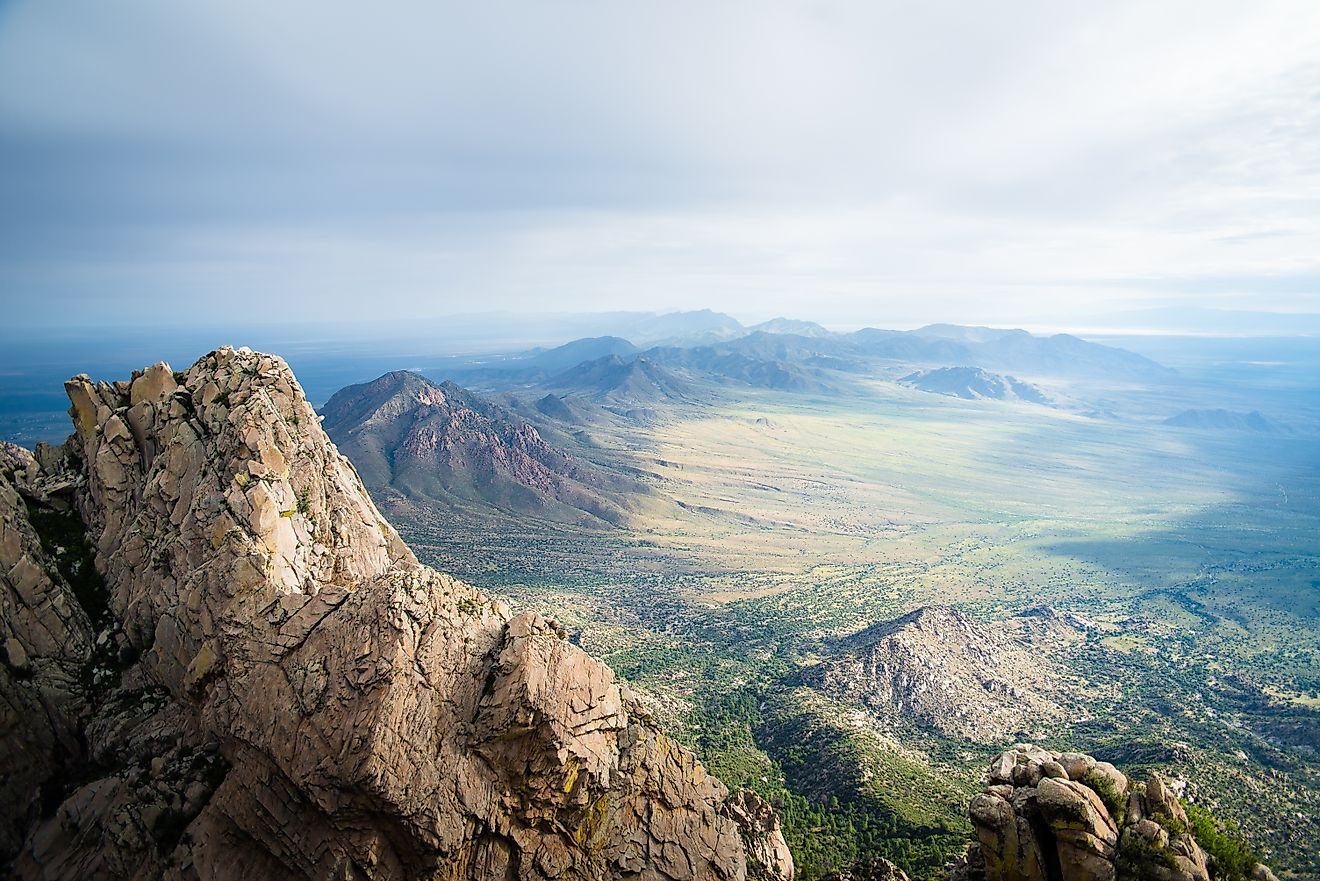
(791, 325)
(577, 351)
(442, 444)
(637, 381)
(685, 328)
(973, 383)
(969, 333)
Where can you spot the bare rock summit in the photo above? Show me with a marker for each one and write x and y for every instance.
(277, 689)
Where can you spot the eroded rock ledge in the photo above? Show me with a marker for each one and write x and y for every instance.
(297, 696)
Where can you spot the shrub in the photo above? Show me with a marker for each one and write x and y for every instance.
(1109, 794)
(1173, 825)
(1231, 858)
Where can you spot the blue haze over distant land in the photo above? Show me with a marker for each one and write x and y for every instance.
(329, 356)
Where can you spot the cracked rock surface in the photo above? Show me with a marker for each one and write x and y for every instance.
(282, 691)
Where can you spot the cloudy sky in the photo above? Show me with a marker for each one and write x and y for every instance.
(867, 162)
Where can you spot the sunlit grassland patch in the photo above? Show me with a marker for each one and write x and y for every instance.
(1127, 643)
(803, 516)
(854, 473)
(803, 520)
(1301, 699)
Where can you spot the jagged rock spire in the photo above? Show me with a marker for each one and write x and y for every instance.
(301, 698)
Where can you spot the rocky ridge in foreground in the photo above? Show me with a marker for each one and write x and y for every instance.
(278, 689)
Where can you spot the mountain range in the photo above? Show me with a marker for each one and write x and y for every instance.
(800, 357)
(517, 440)
(943, 344)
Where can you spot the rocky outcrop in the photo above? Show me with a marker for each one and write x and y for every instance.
(874, 869)
(973, 383)
(1050, 816)
(768, 856)
(946, 672)
(298, 698)
(1046, 626)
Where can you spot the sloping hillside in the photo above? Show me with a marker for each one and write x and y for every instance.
(440, 445)
(945, 672)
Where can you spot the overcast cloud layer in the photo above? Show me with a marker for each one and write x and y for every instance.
(865, 162)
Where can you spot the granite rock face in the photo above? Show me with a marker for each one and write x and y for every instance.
(1050, 816)
(295, 696)
(768, 856)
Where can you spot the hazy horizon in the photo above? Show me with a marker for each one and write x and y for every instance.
(1154, 321)
(852, 164)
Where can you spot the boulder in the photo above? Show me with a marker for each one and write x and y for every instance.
(1008, 844)
(1052, 826)
(1084, 833)
(874, 869)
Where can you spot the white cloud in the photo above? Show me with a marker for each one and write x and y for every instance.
(969, 160)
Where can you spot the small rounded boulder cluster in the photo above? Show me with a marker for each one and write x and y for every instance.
(1063, 816)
